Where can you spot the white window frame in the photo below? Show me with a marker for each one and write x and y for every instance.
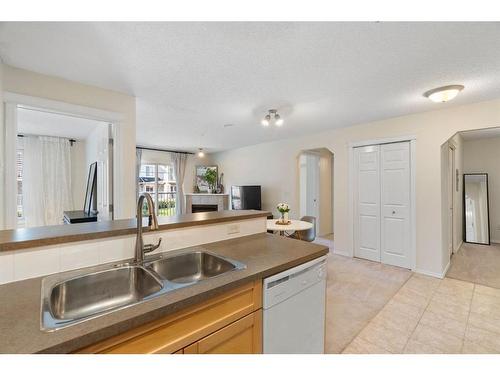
(156, 190)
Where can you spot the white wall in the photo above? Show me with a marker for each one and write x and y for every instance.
(2, 156)
(192, 162)
(96, 145)
(483, 156)
(25, 82)
(274, 166)
(79, 171)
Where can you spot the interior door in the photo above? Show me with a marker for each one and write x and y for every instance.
(310, 185)
(367, 202)
(313, 188)
(395, 205)
(451, 197)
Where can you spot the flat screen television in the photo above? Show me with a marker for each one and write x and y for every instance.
(246, 197)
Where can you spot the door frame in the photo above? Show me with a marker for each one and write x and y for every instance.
(451, 189)
(413, 217)
(12, 101)
(317, 185)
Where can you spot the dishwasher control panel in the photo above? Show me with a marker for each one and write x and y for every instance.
(279, 287)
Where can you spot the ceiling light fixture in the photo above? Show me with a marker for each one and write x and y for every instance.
(266, 120)
(272, 116)
(201, 154)
(443, 94)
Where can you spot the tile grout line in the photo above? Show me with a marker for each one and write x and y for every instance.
(378, 312)
(479, 327)
(468, 317)
(423, 312)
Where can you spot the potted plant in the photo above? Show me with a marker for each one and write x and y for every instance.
(283, 209)
(211, 179)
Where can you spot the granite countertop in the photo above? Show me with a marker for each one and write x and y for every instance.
(264, 255)
(17, 239)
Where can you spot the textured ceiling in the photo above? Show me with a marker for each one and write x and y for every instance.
(473, 135)
(45, 123)
(190, 79)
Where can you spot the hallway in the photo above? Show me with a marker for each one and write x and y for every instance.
(479, 264)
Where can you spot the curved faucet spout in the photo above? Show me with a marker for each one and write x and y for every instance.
(140, 248)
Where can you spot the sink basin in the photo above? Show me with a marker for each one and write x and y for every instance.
(192, 267)
(76, 296)
(98, 292)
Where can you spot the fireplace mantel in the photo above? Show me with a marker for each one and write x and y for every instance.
(200, 199)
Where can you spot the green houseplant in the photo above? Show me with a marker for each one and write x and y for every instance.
(211, 179)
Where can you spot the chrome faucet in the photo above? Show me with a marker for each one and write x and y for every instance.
(140, 248)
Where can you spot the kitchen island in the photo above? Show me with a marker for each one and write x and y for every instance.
(263, 254)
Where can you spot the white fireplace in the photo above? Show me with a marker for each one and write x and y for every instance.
(204, 202)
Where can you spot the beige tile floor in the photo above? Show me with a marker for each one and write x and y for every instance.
(356, 291)
(429, 315)
(375, 308)
(477, 264)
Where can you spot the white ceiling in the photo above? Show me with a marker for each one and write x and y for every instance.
(53, 124)
(190, 79)
(473, 135)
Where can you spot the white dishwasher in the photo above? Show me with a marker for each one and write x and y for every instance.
(294, 309)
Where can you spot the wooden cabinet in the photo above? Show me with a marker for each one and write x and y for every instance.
(241, 337)
(228, 323)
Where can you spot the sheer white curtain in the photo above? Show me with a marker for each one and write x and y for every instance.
(179, 162)
(46, 180)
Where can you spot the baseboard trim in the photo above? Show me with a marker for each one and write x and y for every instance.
(343, 253)
(458, 247)
(446, 268)
(434, 274)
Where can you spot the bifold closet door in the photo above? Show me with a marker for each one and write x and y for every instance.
(395, 204)
(367, 202)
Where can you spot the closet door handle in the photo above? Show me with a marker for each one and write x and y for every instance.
(393, 212)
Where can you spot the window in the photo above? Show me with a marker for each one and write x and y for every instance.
(158, 180)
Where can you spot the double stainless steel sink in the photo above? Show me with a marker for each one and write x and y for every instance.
(77, 296)
(191, 267)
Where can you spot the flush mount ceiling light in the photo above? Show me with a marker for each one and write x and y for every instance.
(443, 94)
(272, 116)
(200, 153)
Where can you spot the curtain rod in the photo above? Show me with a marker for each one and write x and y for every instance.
(163, 150)
(71, 140)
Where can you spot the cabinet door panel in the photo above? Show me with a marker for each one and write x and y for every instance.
(173, 332)
(241, 337)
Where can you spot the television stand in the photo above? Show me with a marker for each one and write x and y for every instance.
(80, 216)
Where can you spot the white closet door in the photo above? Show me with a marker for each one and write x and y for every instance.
(395, 197)
(367, 203)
